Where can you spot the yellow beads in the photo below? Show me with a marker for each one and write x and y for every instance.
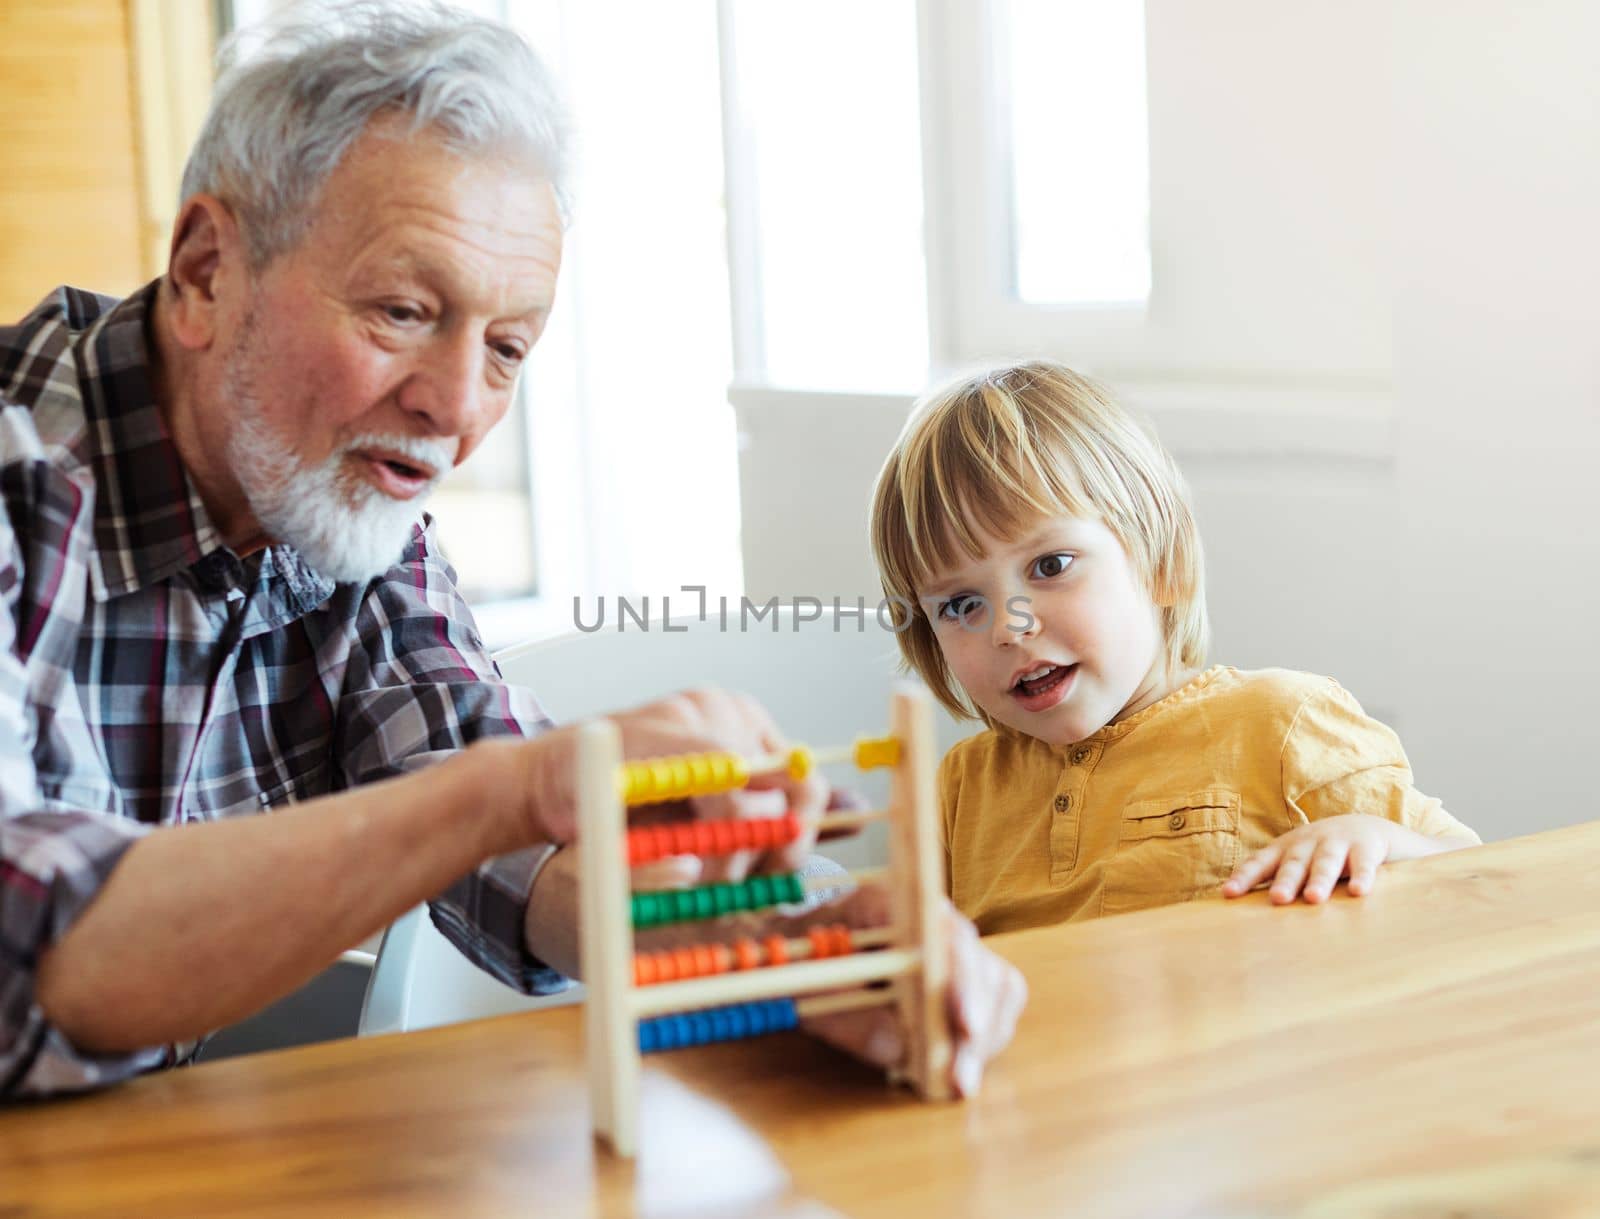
(800, 763)
(653, 780)
(872, 752)
(692, 774)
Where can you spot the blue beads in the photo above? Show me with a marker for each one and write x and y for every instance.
(731, 1023)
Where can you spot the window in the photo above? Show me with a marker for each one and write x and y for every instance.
(633, 449)
(1079, 172)
(1109, 185)
(825, 193)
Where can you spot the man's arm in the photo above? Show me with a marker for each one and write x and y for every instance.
(200, 925)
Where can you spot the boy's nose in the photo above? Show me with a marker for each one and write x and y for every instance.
(1014, 622)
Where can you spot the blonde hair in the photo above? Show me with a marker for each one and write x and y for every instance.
(997, 451)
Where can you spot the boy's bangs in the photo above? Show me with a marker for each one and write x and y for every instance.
(967, 482)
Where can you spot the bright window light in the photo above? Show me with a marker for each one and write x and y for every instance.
(827, 111)
(1079, 150)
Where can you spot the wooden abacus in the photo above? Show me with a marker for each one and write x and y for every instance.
(719, 991)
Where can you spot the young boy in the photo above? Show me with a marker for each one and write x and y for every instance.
(1049, 548)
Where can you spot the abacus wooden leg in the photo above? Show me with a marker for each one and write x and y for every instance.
(606, 939)
(916, 879)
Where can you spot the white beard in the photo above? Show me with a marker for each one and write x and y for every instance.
(343, 526)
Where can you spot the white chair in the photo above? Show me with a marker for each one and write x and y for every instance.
(824, 686)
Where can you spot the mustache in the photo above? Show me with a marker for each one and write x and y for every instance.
(438, 454)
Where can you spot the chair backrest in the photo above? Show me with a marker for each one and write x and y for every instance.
(823, 680)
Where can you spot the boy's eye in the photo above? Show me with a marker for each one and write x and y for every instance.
(958, 606)
(1051, 565)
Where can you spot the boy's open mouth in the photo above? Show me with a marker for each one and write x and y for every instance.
(1042, 680)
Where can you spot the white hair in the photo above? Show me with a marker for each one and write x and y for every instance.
(294, 92)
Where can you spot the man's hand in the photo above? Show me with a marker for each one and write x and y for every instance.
(543, 778)
(699, 721)
(1313, 857)
(985, 997)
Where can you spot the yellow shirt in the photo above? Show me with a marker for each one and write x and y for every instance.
(1160, 807)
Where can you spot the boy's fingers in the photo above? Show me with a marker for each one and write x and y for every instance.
(1292, 872)
(1326, 867)
(1263, 863)
(1365, 856)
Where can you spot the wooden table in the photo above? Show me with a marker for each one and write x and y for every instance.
(1431, 1050)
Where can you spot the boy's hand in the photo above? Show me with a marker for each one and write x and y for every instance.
(1315, 856)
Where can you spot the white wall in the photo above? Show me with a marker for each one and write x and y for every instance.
(1425, 532)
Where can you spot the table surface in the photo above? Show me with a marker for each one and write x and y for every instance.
(1429, 1050)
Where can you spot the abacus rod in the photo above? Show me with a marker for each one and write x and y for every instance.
(845, 1001)
(861, 876)
(872, 937)
(767, 763)
(845, 821)
(803, 978)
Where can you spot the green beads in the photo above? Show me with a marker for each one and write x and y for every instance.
(654, 908)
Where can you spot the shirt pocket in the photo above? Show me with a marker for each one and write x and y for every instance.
(243, 794)
(1172, 849)
(307, 785)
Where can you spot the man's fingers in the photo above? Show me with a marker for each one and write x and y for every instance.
(871, 1034)
(844, 800)
(673, 872)
(960, 936)
(807, 799)
(986, 995)
(864, 907)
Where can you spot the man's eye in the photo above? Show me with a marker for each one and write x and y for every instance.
(404, 314)
(510, 353)
(1051, 565)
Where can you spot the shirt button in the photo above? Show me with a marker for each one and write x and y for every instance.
(1063, 803)
(1176, 821)
(1080, 755)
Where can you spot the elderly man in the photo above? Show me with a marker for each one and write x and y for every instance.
(220, 599)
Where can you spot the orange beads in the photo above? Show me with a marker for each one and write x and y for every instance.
(704, 960)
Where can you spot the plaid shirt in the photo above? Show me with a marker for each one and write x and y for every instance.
(149, 676)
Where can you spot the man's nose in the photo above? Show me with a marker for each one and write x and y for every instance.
(446, 388)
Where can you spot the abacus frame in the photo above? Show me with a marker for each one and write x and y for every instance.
(914, 957)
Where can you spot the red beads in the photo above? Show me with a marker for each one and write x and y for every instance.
(648, 843)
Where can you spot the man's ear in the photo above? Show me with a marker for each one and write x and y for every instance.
(207, 265)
